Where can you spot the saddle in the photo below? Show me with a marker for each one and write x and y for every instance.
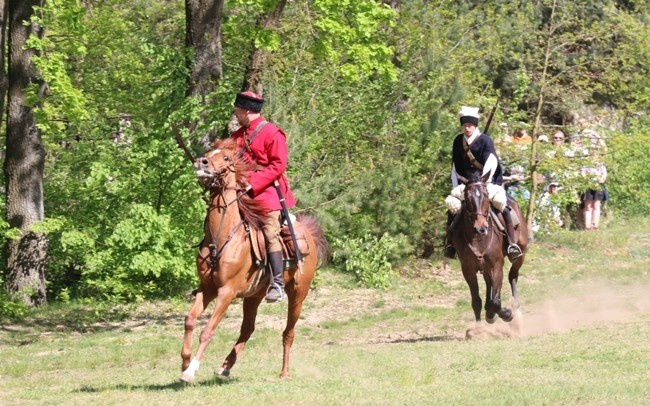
(288, 249)
(498, 219)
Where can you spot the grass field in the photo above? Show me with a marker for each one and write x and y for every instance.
(583, 339)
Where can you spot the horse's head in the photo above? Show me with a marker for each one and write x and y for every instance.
(477, 201)
(215, 166)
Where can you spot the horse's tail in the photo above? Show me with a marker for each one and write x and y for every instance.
(322, 247)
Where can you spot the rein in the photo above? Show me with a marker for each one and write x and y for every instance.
(217, 191)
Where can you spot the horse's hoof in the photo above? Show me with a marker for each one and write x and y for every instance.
(491, 320)
(506, 315)
(223, 372)
(185, 378)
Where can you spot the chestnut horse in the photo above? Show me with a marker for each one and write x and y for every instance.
(481, 247)
(228, 261)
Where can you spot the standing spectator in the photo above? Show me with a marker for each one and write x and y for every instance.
(576, 149)
(549, 214)
(513, 183)
(558, 138)
(592, 198)
(521, 137)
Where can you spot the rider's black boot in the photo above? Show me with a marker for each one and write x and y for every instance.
(513, 251)
(275, 292)
(449, 250)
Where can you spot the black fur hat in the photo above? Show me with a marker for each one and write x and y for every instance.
(249, 101)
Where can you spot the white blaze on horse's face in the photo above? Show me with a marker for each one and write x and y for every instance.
(478, 205)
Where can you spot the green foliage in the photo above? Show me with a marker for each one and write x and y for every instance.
(628, 174)
(367, 96)
(11, 308)
(370, 258)
(351, 34)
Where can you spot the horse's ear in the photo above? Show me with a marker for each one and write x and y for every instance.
(485, 177)
(462, 180)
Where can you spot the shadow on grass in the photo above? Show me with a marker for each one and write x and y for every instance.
(82, 320)
(173, 386)
(419, 339)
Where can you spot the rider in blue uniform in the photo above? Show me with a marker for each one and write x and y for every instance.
(474, 150)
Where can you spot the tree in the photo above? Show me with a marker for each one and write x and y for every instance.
(24, 161)
(572, 49)
(203, 41)
(3, 44)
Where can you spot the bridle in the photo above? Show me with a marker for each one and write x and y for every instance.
(215, 188)
(479, 254)
(477, 213)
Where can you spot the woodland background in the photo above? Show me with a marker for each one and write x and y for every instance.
(101, 204)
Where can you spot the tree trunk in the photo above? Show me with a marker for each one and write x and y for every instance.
(3, 72)
(24, 163)
(257, 61)
(543, 82)
(203, 38)
(203, 20)
(253, 75)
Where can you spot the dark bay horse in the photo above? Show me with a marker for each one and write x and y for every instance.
(481, 247)
(228, 261)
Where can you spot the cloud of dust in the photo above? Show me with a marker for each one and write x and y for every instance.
(580, 306)
(587, 305)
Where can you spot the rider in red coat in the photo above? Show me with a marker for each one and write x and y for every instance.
(265, 145)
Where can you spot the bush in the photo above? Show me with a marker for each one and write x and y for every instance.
(370, 258)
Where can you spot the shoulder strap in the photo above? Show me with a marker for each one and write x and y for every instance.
(476, 164)
(249, 141)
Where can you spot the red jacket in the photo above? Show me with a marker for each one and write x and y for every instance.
(269, 150)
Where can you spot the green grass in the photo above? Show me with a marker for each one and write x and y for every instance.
(586, 322)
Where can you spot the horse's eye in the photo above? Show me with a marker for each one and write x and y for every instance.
(226, 158)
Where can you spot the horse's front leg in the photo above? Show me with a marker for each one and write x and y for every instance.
(247, 328)
(494, 300)
(490, 308)
(472, 283)
(224, 298)
(493, 283)
(201, 301)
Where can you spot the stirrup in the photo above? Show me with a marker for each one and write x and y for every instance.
(271, 297)
(514, 251)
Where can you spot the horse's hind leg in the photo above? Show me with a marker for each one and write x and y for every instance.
(250, 307)
(513, 277)
(296, 293)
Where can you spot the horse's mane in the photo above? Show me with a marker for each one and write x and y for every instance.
(251, 210)
(475, 176)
